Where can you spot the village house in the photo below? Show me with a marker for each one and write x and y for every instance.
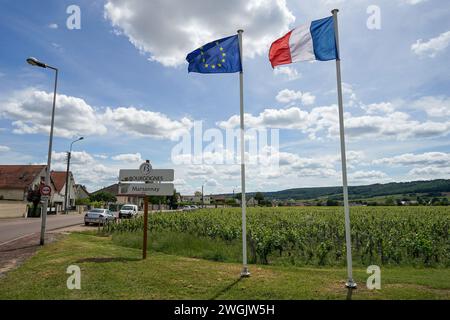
(122, 199)
(81, 192)
(197, 199)
(15, 181)
(59, 180)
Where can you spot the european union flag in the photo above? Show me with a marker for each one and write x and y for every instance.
(220, 56)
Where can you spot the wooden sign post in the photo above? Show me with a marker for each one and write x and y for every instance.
(146, 182)
(144, 245)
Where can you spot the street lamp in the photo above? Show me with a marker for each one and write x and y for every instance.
(235, 189)
(35, 62)
(203, 199)
(69, 154)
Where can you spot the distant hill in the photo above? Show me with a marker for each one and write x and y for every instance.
(359, 192)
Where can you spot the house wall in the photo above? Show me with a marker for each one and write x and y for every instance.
(80, 194)
(139, 201)
(58, 197)
(72, 195)
(196, 199)
(12, 209)
(12, 194)
(20, 193)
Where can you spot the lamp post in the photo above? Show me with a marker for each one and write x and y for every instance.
(203, 199)
(34, 62)
(66, 193)
(234, 188)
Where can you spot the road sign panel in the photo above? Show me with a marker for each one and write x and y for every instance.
(46, 190)
(153, 175)
(146, 189)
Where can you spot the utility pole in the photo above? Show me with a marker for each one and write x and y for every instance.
(203, 199)
(67, 192)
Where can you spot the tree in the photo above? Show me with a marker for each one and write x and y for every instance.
(34, 196)
(82, 202)
(435, 201)
(332, 203)
(172, 201)
(157, 200)
(102, 197)
(259, 197)
(230, 201)
(420, 201)
(389, 201)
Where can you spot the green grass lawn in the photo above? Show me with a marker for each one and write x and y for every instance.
(111, 271)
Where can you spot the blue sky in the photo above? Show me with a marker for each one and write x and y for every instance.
(124, 86)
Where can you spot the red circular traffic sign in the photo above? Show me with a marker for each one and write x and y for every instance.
(46, 190)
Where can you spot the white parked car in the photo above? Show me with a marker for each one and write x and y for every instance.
(128, 211)
(190, 208)
(98, 216)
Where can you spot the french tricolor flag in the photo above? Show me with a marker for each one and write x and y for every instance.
(314, 41)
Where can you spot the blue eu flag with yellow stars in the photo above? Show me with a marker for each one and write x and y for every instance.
(220, 56)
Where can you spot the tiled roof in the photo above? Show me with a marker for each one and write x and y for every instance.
(18, 176)
(81, 187)
(59, 179)
(113, 189)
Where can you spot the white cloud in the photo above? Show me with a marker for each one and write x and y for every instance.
(439, 159)
(367, 176)
(290, 73)
(147, 123)
(4, 148)
(395, 125)
(86, 169)
(53, 26)
(413, 2)
(288, 96)
(433, 46)
(434, 106)
(188, 25)
(77, 157)
(429, 165)
(291, 118)
(128, 157)
(383, 107)
(179, 182)
(100, 156)
(430, 172)
(212, 182)
(31, 111)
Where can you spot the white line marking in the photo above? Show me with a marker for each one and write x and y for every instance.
(18, 238)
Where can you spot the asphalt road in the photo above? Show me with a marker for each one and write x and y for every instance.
(11, 229)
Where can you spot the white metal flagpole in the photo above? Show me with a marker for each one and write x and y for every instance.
(350, 283)
(245, 272)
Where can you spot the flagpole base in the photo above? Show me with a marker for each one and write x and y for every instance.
(350, 284)
(245, 273)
